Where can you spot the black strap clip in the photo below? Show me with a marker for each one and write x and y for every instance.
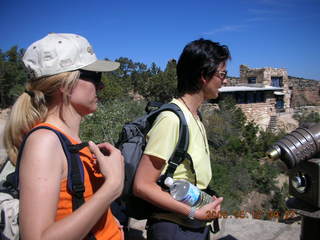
(75, 148)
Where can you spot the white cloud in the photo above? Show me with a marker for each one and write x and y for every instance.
(229, 28)
(256, 19)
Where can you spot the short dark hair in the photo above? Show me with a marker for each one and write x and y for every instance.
(199, 58)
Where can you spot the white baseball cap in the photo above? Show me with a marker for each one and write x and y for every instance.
(63, 52)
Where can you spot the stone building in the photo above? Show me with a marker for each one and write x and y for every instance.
(265, 93)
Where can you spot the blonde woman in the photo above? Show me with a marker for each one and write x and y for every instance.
(64, 78)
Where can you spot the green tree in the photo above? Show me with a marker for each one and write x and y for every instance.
(237, 148)
(112, 90)
(12, 76)
(158, 85)
(139, 76)
(127, 66)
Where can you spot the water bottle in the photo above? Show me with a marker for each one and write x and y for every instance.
(184, 191)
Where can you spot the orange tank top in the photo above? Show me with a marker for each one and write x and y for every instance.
(107, 227)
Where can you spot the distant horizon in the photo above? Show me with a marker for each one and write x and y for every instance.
(259, 33)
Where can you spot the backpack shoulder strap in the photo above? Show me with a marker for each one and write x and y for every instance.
(75, 173)
(180, 153)
(75, 168)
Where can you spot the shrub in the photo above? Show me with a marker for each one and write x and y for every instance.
(237, 148)
(106, 123)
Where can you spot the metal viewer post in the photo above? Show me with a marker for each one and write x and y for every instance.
(299, 150)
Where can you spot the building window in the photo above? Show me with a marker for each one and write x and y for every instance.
(241, 97)
(249, 97)
(260, 97)
(276, 82)
(252, 80)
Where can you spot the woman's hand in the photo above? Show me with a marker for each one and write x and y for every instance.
(210, 210)
(110, 162)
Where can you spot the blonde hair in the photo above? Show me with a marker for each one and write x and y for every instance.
(31, 107)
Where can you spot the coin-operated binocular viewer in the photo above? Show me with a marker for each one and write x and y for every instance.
(300, 151)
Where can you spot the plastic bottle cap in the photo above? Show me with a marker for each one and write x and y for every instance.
(168, 182)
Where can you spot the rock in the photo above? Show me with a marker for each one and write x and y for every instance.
(235, 229)
(248, 229)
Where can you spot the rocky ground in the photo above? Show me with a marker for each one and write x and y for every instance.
(236, 229)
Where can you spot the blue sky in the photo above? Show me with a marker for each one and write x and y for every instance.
(259, 33)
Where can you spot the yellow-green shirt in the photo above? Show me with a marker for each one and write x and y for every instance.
(162, 140)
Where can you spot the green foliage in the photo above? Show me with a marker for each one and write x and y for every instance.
(134, 77)
(306, 117)
(237, 150)
(279, 199)
(223, 124)
(158, 85)
(106, 123)
(12, 76)
(112, 89)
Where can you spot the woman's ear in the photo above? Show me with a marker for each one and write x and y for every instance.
(64, 94)
(64, 91)
(203, 80)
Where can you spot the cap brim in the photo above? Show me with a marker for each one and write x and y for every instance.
(102, 66)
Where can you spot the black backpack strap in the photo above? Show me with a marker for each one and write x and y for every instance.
(75, 175)
(75, 178)
(153, 105)
(181, 150)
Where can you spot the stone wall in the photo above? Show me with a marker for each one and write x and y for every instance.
(246, 72)
(233, 81)
(260, 113)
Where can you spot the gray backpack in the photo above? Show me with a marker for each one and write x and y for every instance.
(132, 144)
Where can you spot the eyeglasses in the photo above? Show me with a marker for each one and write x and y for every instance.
(94, 77)
(221, 74)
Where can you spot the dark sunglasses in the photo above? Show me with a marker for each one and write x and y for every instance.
(94, 77)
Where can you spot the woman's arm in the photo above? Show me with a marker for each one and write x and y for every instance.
(43, 166)
(146, 187)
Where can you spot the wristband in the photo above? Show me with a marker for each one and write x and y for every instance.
(192, 213)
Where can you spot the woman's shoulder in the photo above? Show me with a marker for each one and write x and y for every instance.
(42, 139)
(168, 116)
(43, 152)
